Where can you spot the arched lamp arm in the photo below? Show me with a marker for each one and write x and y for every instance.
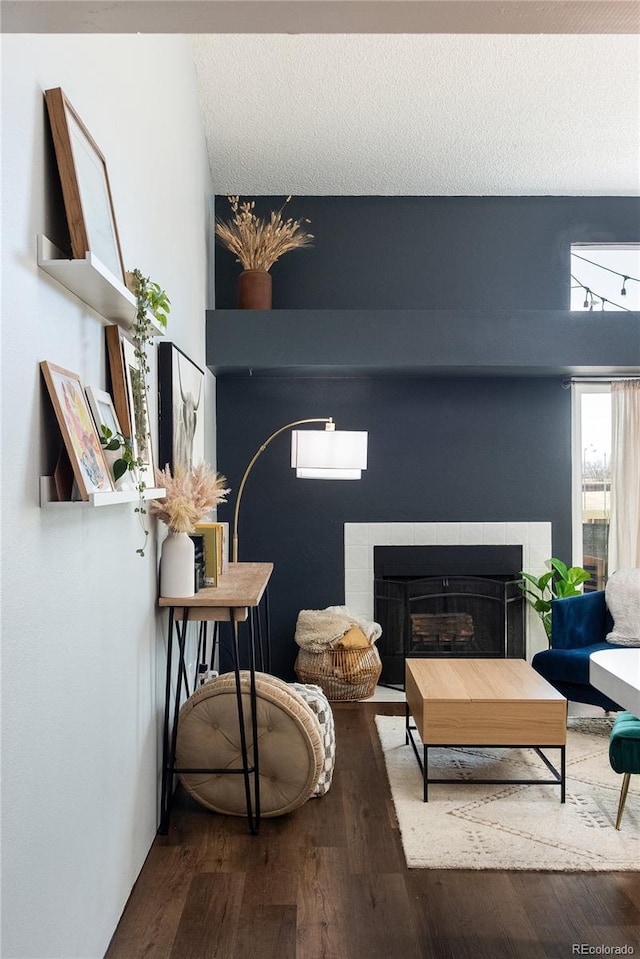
(289, 426)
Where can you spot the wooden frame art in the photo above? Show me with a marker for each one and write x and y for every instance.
(85, 186)
(180, 409)
(130, 397)
(81, 440)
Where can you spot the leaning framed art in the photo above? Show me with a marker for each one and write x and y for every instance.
(78, 431)
(180, 409)
(139, 408)
(85, 186)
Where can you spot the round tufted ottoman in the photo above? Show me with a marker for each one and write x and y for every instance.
(289, 737)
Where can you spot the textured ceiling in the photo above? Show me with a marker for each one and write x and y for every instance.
(421, 114)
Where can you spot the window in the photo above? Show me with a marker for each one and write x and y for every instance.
(592, 478)
(600, 273)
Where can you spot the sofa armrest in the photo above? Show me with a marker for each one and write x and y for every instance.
(579, 620)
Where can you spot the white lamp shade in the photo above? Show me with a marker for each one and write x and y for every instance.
(328, 454)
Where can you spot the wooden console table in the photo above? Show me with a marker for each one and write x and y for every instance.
(234, 600)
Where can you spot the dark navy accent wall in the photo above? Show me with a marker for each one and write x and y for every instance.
(445, 448)
(440, 450)
(508, 253)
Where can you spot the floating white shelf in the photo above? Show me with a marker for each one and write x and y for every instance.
(107, 498)
(93, 283)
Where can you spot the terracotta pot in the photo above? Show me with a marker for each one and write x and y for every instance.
(254, 290)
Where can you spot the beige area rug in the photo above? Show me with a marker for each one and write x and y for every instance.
(510, 826)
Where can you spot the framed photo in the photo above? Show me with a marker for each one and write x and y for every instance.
(103, 410)
(180, 409)
(85, 186)
(138, 408)
(81, 440)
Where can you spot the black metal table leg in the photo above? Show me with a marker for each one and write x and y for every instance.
(165, 794)
(243, 735)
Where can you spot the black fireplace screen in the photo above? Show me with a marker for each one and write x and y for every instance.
(448, 615)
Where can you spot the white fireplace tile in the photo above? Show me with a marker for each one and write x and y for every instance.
(494, 534)
(448, 534)
(516, 533)
(537, 560)
(402, 534)
(425, 534)
(470, 534)
(357, 557)
(358, 580)
(361, 603)
(355, 534)
(540, 535)
(380, 534)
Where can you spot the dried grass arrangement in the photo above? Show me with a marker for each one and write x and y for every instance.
(191, 495)
(258, 243)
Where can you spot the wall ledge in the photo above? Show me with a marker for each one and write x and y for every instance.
(426, 342)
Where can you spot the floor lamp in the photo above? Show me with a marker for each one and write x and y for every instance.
(315, 454)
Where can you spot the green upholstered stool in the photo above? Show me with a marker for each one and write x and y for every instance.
(624, 753)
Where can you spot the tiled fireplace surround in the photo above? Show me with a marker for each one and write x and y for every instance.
(360, 538)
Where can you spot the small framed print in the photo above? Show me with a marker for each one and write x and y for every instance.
(103, 410)
(79, 434)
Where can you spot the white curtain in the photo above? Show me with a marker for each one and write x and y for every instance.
(624, 530)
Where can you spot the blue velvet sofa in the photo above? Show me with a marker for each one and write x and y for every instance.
(579, 627)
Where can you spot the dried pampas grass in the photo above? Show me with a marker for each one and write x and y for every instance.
(190, 497)
(258, 243)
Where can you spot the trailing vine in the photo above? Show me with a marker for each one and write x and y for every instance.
(150, 300)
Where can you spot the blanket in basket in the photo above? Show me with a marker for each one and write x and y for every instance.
(320, 629)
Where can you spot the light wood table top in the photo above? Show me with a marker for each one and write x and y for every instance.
(240, 587)
(492, 680)
(484, 701)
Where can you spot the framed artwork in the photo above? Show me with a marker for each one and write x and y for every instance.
(81, 440)
(180, 409)
(103, 410)
(138, 408)
(129, 396)
(118, 374)
(85, 186)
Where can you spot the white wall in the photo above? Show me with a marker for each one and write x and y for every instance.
(81, 641)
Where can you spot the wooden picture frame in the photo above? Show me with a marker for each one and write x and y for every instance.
(180, 409)
(118, 376)
(85, 186)
(138, 410)
(79, 434)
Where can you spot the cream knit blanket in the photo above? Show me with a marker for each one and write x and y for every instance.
(320, 629)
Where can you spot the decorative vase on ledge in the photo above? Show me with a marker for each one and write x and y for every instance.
(254, 290)
(177, 565)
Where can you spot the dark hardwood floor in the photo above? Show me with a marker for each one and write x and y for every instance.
(329, 882)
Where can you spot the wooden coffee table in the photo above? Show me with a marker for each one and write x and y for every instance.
(484, 702)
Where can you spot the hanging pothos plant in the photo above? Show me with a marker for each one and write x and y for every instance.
(151, 300)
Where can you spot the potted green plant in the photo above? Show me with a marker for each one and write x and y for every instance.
(257, 243)
(559, 582)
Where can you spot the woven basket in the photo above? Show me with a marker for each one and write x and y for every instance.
(342, 674)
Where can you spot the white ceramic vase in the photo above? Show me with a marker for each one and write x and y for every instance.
(177, 566)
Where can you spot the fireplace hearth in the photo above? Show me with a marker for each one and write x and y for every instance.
(447, 601)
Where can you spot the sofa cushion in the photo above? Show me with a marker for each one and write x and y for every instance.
(579, 620)
(623, 599)
(566, 665)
